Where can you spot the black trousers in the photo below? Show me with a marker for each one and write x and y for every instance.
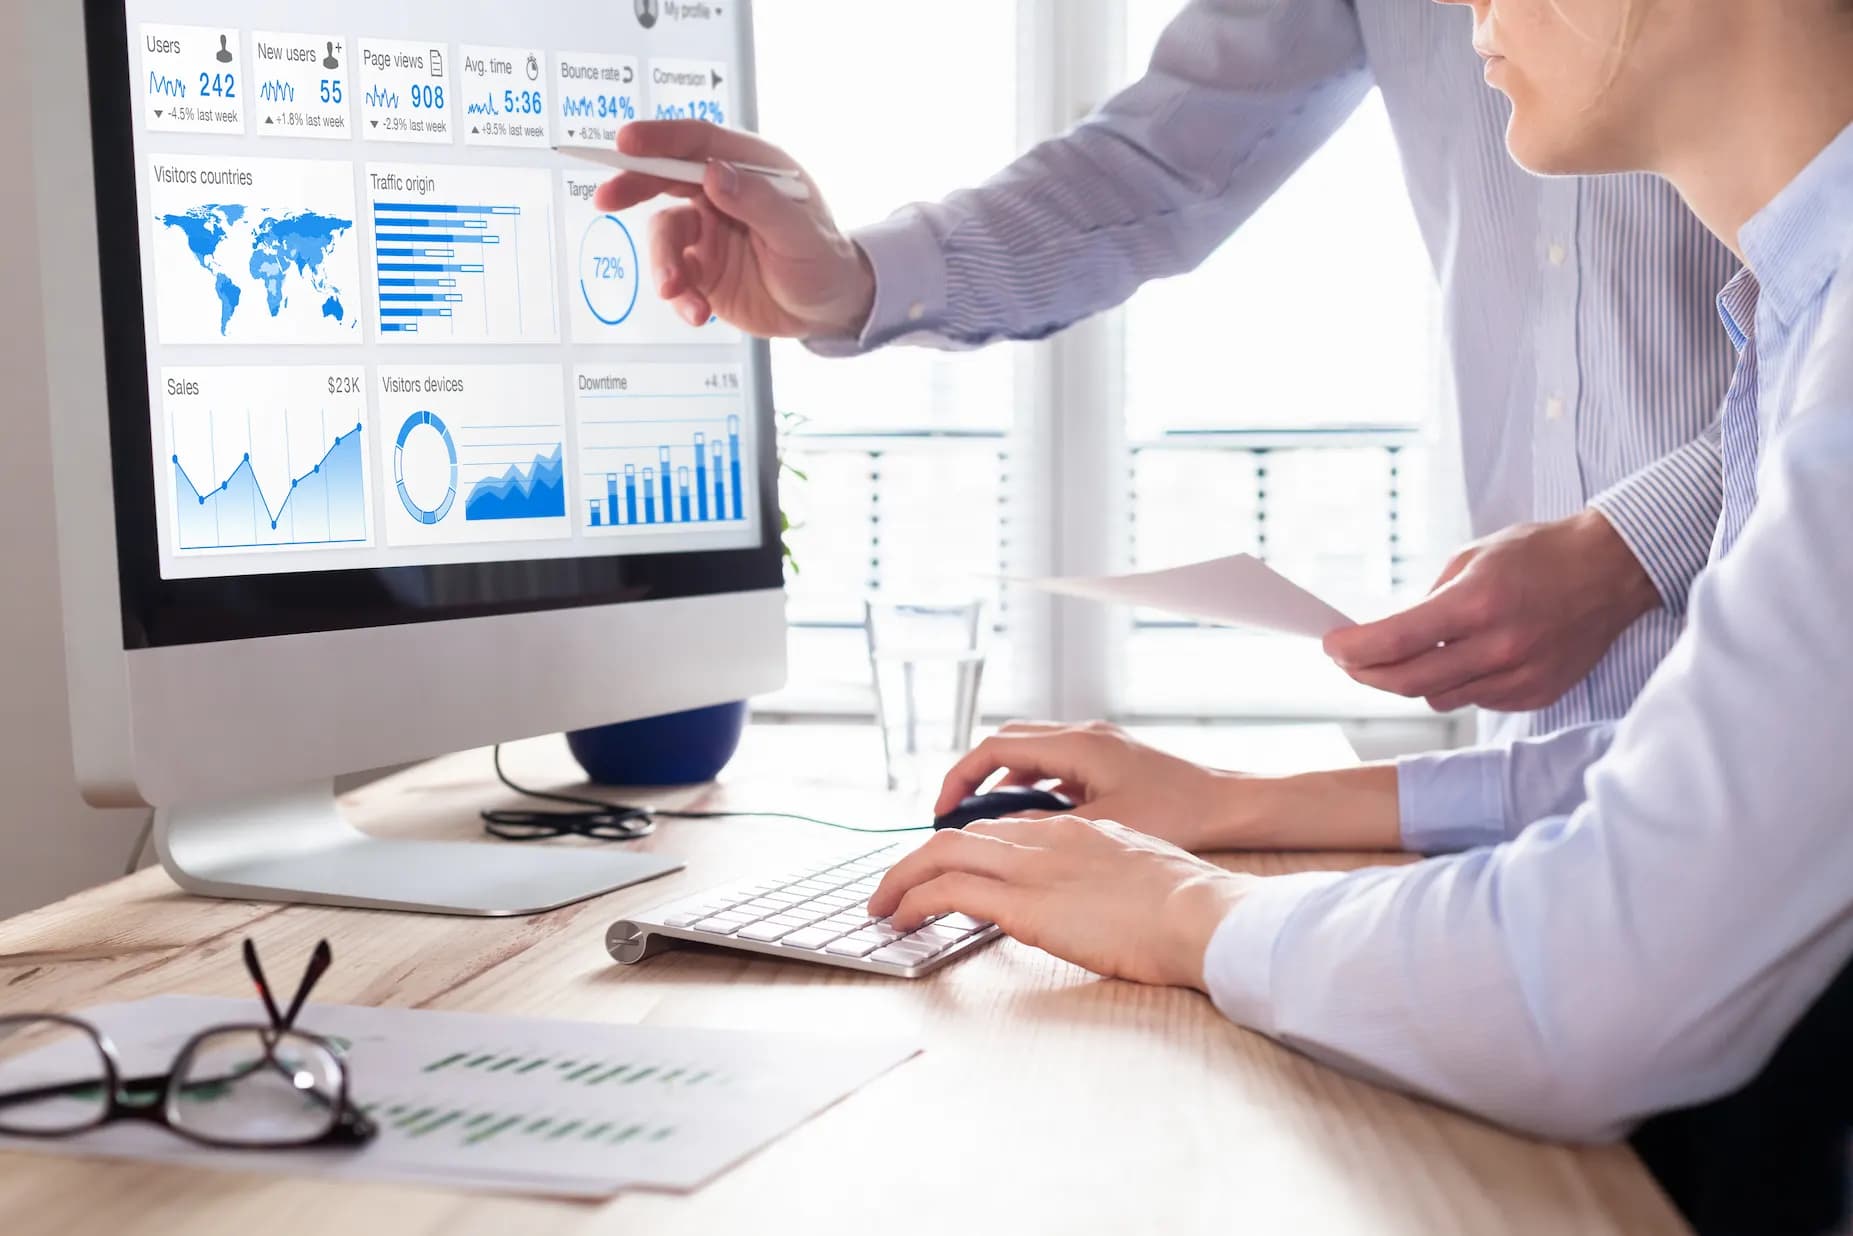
(1772, 1158)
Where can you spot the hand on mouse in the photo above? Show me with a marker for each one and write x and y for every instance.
(1110, 775)
(1096, 893)
(737, 248)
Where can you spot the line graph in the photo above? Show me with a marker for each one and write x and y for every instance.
(266, 459)
(324, 506)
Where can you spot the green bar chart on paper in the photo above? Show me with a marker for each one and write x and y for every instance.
(570, 1109)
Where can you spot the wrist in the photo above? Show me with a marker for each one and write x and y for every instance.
(1630, 589)
(1192, 914)
(859, 299)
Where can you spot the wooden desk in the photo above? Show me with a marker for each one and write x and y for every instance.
(1047, 1100)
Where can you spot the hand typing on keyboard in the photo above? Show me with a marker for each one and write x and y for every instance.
(1096, 893)
(818, 913)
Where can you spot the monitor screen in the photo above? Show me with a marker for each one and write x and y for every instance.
(384, 360)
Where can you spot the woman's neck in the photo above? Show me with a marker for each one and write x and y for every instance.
(1752, 129)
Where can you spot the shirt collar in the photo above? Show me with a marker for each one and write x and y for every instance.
(1794, 243)
(1737, 306)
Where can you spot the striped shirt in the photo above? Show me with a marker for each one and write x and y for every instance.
(1643, 908)
(1587, 363)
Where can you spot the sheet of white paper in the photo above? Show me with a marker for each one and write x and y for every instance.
(1239, 590)
(510, 1104)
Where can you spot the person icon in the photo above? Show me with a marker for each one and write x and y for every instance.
(225, 52)
(646, 13)
(331, 61)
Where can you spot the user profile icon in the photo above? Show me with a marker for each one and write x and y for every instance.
(646, 13)
(225, 52)
(331, 61)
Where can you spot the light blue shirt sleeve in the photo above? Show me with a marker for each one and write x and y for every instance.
(1455, 800)
(1650, 950)
(1237, 96)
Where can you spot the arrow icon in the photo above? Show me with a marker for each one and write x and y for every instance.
(157, 113)
(269, 120)
(374, 123)
(717, 77)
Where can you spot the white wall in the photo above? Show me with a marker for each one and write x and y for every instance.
(51, 844)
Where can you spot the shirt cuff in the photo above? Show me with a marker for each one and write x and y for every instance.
(1238, 966)
(1667, 514)
(910, 285)
(1449, 801)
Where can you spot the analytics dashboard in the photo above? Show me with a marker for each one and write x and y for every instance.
(385, 323)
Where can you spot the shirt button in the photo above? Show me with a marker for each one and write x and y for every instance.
(1558, 253)
(1553, 408)
(916, 311)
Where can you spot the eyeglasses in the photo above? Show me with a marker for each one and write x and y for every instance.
(235, 1086)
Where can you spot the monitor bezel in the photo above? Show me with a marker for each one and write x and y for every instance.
(158, 612)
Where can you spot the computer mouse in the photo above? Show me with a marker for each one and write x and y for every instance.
(1002, 801)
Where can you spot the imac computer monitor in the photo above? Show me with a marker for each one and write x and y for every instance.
(372, 440)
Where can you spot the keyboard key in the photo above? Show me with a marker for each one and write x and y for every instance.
(785, 899)
(766, 904)
(940, 936)
(809, 938)
(883, 932)
(856, 945)
(965, 921)
(765, 933)
(792, 920)
(905, 952)
(719, 926)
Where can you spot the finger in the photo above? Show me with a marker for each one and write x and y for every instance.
(1442, 670)
(950, 850)
(1519, 690)
(628, 189)
(1440, 618)
(1041, 756)
(1456, 565)
(672, 234)
(786, 226)
(959, 892)
(697, 139)
(1030, 727)
(694, 308)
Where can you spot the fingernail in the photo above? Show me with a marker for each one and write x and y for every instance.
(730, 178)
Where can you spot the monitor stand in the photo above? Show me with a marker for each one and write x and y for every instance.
(296, 846)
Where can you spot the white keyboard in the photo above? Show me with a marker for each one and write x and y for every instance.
(819, 913)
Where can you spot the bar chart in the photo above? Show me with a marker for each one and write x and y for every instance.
(663, 447)
(464, 254)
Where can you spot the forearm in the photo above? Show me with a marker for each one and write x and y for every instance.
(1456, 800)
(1667, 513)
(1340, 809)
(1234, 101)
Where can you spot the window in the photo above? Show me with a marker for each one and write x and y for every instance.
(1278, 400)
(904, 452)
(1281, 400)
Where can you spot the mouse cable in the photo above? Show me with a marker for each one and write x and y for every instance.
(607, 821)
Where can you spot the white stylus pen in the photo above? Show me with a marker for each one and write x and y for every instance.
(688, 171)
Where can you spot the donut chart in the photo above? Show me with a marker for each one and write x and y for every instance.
(417, 507)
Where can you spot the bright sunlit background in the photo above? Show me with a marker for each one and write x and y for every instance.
(1282, 399)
